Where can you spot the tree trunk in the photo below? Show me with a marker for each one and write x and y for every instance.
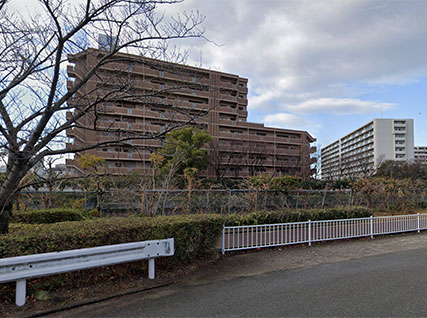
(4, 218)
(8, 191)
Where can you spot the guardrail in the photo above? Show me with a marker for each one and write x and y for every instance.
(21, 268)
(236, 238)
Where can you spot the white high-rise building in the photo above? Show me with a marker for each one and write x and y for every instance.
(421, 154)
(360, 152)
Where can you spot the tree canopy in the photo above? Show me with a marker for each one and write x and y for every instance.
(403, 170)
(183, 148)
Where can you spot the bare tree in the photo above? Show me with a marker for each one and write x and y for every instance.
(34, 96)
(255, 157)
(50, 178)
(220, 158)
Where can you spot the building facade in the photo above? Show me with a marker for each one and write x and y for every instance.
(173, 94)
(360, 152)
(420, 154)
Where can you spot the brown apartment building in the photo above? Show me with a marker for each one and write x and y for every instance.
(166, 94)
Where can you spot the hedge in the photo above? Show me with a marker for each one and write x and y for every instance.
(299, 215)
(195, 235)
(50, 216)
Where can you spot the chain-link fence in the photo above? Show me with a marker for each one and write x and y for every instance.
(172, 202)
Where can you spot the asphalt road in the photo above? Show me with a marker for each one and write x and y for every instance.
(392, 284)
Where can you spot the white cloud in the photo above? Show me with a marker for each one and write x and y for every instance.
(291, 121)
(340, 106)
(297, 52)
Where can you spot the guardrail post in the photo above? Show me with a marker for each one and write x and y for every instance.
(21, 292)
(309, 232)
(151, 269)
(372, 227)
(418, 222)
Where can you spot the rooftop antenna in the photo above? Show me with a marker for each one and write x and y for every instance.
(201, 58)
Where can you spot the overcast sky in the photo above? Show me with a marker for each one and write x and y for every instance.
(327, 67)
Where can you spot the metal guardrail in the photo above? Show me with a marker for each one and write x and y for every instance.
(236, 238)
(21, 268)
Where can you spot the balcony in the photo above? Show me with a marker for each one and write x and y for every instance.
(70, 84)
(71, 71)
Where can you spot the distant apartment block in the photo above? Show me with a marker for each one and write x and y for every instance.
(360, 152)
(173, 94)
(421, 154)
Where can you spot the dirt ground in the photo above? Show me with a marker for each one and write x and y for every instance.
(223, 268)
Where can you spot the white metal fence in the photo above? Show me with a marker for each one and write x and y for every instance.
(236, 238)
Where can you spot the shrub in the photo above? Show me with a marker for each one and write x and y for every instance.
(50, 216)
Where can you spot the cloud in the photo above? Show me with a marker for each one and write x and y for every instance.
(291, 121)
(297, 52)
(340, 106)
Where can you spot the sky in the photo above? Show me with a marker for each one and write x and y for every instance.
(324, 66)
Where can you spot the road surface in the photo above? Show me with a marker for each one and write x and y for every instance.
(373, 284)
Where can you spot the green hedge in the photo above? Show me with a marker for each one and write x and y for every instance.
(50, 216)
(299, 215)
(195, 236)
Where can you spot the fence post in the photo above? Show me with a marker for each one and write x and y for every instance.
(323, 200)
(256, 199)
(265, 199)
(372, 227)
(223, 240)
(84, 204)
(418, 222)
(297, 203)
(229, 202)
(415, 197)
(309, 232)
(144, 204)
